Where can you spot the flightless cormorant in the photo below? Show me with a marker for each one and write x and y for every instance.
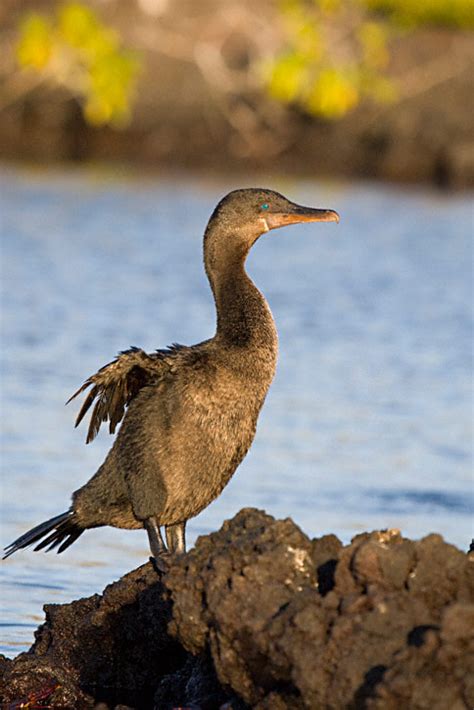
(189, 413)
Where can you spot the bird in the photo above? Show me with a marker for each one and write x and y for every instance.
(187, 414)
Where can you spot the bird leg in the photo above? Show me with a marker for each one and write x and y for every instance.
(157, 546)
(175, 537)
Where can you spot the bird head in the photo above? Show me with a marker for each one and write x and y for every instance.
(254, 211)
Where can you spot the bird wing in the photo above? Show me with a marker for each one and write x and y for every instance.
(115, 385)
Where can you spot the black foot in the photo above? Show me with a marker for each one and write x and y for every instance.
(161, 564)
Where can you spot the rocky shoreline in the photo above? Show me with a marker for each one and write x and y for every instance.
(258, 615)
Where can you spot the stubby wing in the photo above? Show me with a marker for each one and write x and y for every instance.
(115, 385)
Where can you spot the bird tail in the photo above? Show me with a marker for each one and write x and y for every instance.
(61, 530)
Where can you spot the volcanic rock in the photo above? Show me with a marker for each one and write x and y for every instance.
(258, 615)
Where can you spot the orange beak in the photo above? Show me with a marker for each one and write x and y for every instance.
(300, 214)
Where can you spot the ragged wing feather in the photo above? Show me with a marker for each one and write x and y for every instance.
(116, 384)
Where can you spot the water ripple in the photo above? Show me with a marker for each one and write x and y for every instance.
(368, 422)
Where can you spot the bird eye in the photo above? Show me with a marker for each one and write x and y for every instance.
(265, 206)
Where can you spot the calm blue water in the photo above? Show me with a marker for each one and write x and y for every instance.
(368, 422)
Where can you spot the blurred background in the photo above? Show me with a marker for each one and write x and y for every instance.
(376, 88)
(122, 123)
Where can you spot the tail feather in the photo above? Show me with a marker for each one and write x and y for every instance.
(61, 530)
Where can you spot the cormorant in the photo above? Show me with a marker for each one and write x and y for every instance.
(189, 413)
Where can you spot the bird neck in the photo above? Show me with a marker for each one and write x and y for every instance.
(244, 318)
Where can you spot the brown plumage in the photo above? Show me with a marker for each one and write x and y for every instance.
(188, 414)
(116, 384)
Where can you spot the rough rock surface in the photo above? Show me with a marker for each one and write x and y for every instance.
(258, 615)
(111, 647)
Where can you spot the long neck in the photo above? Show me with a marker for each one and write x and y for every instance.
(244, 318)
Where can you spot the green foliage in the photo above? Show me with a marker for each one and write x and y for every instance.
(337, 50)
(335, 57)
(416, 13)
(79, 52)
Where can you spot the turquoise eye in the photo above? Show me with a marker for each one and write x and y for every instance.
(265, 206)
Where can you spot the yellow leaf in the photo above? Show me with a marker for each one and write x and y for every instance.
(35, 46)
(333, 94)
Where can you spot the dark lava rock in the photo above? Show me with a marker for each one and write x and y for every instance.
(109, 648)
(258, 615)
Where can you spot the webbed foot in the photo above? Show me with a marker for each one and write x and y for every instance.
(161, 564)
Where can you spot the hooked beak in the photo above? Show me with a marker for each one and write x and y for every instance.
(300, 214)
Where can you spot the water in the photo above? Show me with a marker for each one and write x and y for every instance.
(367, 424)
